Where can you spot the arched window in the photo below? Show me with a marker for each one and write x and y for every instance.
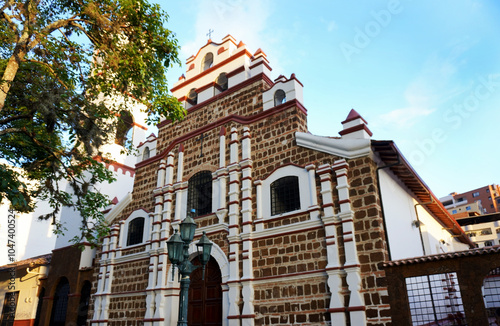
(9, 308)
(124, 128)
(279, 97)
(221, 82)
(208, 61)
(60, 303)
(285, 195)
(135, 231)
(200, 193)
(192, 97)
(491, 291)
(39, 306)
(83, 307)
(146, 153)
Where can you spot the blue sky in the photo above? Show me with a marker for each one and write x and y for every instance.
(425, 74)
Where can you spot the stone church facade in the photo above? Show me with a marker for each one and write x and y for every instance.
(297, 221)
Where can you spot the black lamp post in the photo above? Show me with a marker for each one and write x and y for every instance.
(178, 254)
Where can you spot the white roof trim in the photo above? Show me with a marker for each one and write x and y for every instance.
(344, 147)
(118, 208)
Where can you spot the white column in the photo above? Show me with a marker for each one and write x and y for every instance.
(334, 267)
(248, 313)
(352, 267)
(314, 213)
(101, 280)
(180, 163)
(233, 237)
(222, 147)
(160, 181)
(151, 306)
(259, 221)
(180, 187)
(109, 275)
(168, 192)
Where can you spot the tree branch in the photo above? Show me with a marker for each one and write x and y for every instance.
(12, 130)
(46, 65)
(9, 21)
(17, 117)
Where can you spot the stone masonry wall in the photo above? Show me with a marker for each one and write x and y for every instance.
(370, 239)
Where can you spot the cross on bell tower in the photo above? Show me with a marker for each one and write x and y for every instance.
(209, 34)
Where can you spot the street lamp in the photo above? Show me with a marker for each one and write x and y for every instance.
(178, 254)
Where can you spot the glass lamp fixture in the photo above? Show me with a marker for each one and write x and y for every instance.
(187, 227)
(204, 247)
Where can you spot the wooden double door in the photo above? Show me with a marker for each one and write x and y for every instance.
(205, 296)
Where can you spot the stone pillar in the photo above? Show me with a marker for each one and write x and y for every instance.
(161, 251)
(101, 281)
(334, 267)
(248, 314)
(314, 212)
(180, 187)
(108, 276)
(259, 221)
(234, 237)
(151, 306)
(168, 297)
(221, 177)
(352, 266)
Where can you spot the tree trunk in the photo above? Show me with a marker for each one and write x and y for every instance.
(8, 76)
(12, 66)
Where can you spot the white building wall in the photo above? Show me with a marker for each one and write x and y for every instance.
(403, 230)
(32, 237)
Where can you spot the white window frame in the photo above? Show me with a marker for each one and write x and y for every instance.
(289, 170)
(146, 232)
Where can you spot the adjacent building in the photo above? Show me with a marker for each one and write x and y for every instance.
(484, 230)
(22, 289)
(484, 200)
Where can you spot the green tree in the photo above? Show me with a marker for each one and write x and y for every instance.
(61, 61)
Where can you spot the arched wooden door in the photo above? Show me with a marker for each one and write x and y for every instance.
(205, 296)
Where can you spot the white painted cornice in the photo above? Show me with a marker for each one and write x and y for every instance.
(343, 147)
(118, 208)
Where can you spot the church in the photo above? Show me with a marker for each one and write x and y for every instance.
(300, 224)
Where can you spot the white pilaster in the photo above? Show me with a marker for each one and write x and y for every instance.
(180, 163)
(352, 267)
(259, 225)
(314, 213)
(222, 147)
(101, 280)
(234, 238)
(161, 174)
(248, 313)
(151, 306)
(113, 241)
(180, 188)
(334, 268)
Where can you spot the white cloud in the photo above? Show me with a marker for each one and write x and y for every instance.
(436, 84)
(403, 118)
(244, 20)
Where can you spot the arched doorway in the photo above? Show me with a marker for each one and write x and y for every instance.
(205, 296)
